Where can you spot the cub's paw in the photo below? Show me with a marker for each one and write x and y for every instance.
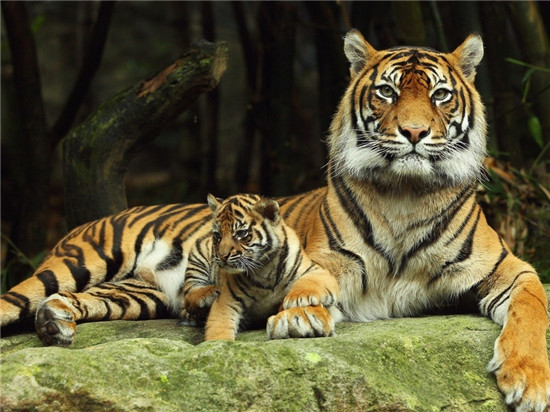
(186, 319)
(199, 299)
(314, 296)
(524, 381)
(300, 322)
(54, 321)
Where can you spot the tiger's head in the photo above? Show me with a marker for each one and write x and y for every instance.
(410, 117)
(246, 232)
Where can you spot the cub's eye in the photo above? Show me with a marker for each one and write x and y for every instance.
(217, 237)
(440, 94)
(386, 91)
(241, 234)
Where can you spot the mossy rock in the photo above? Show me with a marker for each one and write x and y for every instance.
(431, 363)
(419, 364)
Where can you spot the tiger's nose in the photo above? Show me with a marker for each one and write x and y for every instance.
(414, 134)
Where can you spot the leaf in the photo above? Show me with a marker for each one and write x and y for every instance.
(545, 191)
(536, 130)
(520, 63)
(527, 75)
(37, 23)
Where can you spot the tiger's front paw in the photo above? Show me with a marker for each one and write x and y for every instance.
(524, 381)
(308, 296)
(54, 321)
(196, 305)
(186, 319)
(199, 300)
(300, 322)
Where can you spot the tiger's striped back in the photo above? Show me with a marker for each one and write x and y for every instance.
(138, 240)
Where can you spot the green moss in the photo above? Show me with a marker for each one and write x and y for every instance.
(420, 364)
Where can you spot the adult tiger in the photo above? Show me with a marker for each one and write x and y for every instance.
(397, 224)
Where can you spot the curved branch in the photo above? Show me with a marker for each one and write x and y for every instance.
(97, 153)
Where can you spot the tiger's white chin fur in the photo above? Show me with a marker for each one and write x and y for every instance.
(367, 164)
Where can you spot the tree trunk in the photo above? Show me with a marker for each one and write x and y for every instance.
(32, 146)
(210, 112)
(97, 153)
(533, 38)
(507, 122)
(277, 28)
(412, 33)
(250, 55)
(332, 63)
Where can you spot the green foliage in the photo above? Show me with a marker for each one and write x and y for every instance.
(20, 260)
(533, 122)
(517, 205)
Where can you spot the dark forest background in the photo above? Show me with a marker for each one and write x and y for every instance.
(263, 128)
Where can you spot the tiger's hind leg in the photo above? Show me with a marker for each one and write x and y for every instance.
(130, 299)
(518, 302)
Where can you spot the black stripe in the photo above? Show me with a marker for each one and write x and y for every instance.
(465, 250)
(113, 263)
(235, 297)
(108, 311)
(500, 299)
(80, 274)
(358, 216)
(173, 258)
(333, 229)
(143, 308)
(335, 246)
(21, 301)
(155, 224)
(49, 280)
(464, 223)
(503, 254)
(146, 213)
(295, 202)
(445, 218)
(190, 211)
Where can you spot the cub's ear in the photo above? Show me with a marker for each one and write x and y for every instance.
(268, 209)
(357, 50)
(469, 54)
(213, 202)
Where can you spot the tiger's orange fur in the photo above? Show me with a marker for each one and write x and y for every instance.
(397, 224)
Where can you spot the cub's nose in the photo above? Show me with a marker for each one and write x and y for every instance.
(414, 134)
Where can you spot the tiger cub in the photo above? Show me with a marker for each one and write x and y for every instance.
(250, 267)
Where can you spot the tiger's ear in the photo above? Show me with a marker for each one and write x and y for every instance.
(357, 50)
(213, 202)
(268, 209)
(469, 54)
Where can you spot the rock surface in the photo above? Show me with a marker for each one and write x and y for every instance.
(412, 364)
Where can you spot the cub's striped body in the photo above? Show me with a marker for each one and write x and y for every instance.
(256, 264)
(397, 224)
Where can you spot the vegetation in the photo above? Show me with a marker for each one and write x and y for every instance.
(285, 75)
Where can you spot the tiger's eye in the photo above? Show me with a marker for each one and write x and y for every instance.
(241, 234)
(440, 94)
(217, 237)
(386, 91)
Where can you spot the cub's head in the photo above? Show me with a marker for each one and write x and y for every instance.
(410, 116)
(246, 232)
